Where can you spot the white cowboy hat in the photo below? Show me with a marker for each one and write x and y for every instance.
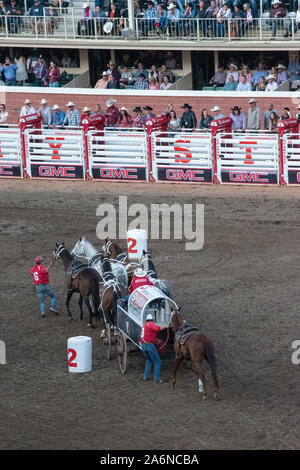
(108, 27)
(172, 5)
(233, 65)
(270, 76)
(104, 73)
(70, 104)
(43, 101)
(110, 102)
(149, 316)
(216, 108)
(139, 272)
(85, 109)
(123, 109)
(56, 106)
(27, 101)
(280, 66)
(252, 101)
(85, 5)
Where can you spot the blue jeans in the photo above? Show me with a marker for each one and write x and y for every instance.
(11, 82)
(42, 290)
(54, 84)
(152, 357)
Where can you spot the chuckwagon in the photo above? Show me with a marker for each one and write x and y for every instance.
(130, 321)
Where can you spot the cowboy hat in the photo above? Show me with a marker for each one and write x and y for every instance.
(148, 108)
(123, 108)
(110, 102)
(271, 75)
(43, 101)
(216, 108)
(186, 105)
(139, 272)
(104, 73)
(85, 5)
(85, 109)
(171, 6)
(280, 66)
(137, 109)
(70, 104)
(233, 65)
(107, 29)
(252, 101)
(27, 101)
(236, 108)
(56, 106)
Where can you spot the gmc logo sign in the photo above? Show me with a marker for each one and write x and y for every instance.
(56, 171)
(294, 177)
(119, 173)
(181, 174)
(10, 170)
(250, 177)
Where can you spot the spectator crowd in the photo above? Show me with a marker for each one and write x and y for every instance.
(122, 118)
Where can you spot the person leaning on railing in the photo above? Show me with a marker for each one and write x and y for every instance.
(37, 22)
(85, 27)
(51, 16)
(14, 10)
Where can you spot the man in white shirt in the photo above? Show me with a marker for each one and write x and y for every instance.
(45, 113)
(27, 108)
(244, 85)
(272, 85)
(232, 71)
(216, 110)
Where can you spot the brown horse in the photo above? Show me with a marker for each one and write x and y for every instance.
(195, 347)
(112, 250)
(86, 281)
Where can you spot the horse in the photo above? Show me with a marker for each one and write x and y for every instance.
(112, 250)
(79, 278)
(190, 344)
(84, 249)
(147, 265)
(110, 292)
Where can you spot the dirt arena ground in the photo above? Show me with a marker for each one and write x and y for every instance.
(242, 289)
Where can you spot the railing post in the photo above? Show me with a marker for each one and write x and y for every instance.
(73, 23)
(228, 25)
(45, 24)
(65, 25)
(198, 30)
(260, 28)
(6, 26)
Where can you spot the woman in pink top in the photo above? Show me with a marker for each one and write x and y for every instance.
(153, 85)
(125, 120)
(245, 71)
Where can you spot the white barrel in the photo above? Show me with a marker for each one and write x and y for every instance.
(80, 354)
(136, 242)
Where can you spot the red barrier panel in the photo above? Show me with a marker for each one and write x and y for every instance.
(34, 121)
(284, 127)
(159, 123)
(219, 125)
(91, 123)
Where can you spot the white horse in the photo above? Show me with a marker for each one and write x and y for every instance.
(84, 249)
(147, 265)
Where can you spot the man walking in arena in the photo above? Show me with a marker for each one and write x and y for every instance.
(41, 281)
(148, 340)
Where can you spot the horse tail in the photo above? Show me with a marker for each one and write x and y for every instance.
(211, 359)
(96, 295)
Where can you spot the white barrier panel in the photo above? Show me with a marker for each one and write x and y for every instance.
(54, 153)
(182, 157)
(10, 153)
(247, 158)
(291, 158)
(118, 155)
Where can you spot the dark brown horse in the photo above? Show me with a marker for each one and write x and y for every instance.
(195, 347)
(112, 250)
(86, 282)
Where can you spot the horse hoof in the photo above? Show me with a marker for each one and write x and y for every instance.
(204, 396)
(217, 396)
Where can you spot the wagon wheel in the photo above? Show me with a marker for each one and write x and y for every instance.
(122, 352)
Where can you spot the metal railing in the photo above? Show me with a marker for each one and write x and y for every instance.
(69, 26)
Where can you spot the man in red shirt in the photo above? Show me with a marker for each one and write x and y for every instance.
(41, 281)
(148, 340)
(140, 279)
(86, 114)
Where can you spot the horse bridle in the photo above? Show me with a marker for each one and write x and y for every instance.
(58, 251)
(105, 248)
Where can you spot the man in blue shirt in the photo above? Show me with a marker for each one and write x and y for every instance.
(142, 83)
(294, 69)
(58, 116)
(9, 70)
(261, 72)
(149, 18)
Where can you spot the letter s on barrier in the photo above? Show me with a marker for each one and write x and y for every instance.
(186, 152)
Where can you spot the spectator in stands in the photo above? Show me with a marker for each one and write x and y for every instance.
(37, 12)
(171, 60)
(125, 120)
(282, 76)
(137, 120)
(21, 72)
(274, 72)
(260, 72)
(165, 72)
(3, 115)
(112, 113)
(216, 113)
(126, 77)
(141, 83)
(166, 83)
(205, 119)
(261, 86)
(174, 122)
(188, 119)
(149, 18)
(238, 118)
(237, 24)
(212, 12)
(286, 114)
(277, 11)
(114, 71)
(267, 114)
(294, 70)
(224, 14)
(219, 78)
(231, 85)
(244, 85)
(98, 111)
(45, 112)
(173, 16)
(247, 73)
(13, 12)
(201, 14)
(253, 116)
(161, 20)
(272, 85)
(140, 70)
(102, 83)
(53, 74)
(3, 10)
(147, 114)
(86, 113)
(40, 71)
(100, 19)
(51, 17)
(9, 70)
(274, 118)
(249, 17)
(153, 84)
(85, 27)
(233, 72)
(112, 82)
(154, 73)
(27, 109)
(114, 15)
(58, 116)
(293, 22)
(72, 117)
